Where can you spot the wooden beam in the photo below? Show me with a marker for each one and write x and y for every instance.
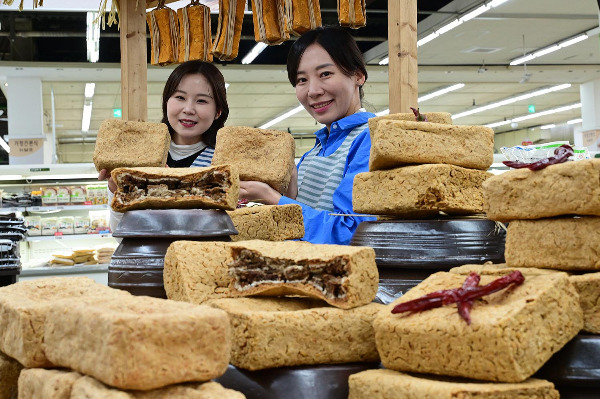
(134, 72)
(402, 50)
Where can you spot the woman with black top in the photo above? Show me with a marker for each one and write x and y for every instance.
(194, 108)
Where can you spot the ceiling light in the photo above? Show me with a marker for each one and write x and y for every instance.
(464, 18)
(440, 92)
(545, 127)
(87, 116)
(476, 12)
(226, 86)
(4, 145)
(92, 37)
(286, 115)
(384, 61)
(256, 50)
(511, 100)
(550, 49)
(547, 112)
(384, 112)
(536, 115)
(89, 90)
(574, 121)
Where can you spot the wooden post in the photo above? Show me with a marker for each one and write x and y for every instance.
(134, 73)
(403, 68)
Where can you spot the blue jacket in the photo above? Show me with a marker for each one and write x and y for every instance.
(320, 227)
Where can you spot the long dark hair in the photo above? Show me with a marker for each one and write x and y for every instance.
(338, 43)
(217, 84)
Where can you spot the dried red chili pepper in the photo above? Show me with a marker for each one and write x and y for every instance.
(418, 115)
(464, 307)
(467, 293)
(561, 153)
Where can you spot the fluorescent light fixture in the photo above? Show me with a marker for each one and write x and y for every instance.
(89, 90)
(286, 115)
(545, 127)
(574, 121)
(511, 100)
(496, 124)
(550, 49)
(92, 37)
(4, 145)
(440, 92)
(384, 112)
(456, 22)
(564, 108)
(87, 116)
(449, 26)
(256, 50)
(427, 39)
(384, 61)
(476, 12)
(547, 112)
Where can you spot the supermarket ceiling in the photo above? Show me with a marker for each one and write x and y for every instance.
(477, 53)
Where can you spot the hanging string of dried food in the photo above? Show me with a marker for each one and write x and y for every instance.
(112, 15)
(302, 16)
(195, 41)
(164, 34)
(229, 29)
(270, 24)
(352, 13)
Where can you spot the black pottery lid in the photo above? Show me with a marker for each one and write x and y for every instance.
(175, 223)
(432, 243)
(576, 365)
(321, 381)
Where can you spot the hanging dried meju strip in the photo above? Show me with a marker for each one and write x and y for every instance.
(229, 30)
(302, 15)
(195, 41)
(270, 24)
(352, 13)
(164, 31)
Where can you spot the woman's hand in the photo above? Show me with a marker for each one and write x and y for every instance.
(292, 191)
(104, 174)
(259, 192)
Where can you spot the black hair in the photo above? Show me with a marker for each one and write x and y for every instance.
(217, 83)
(338, 43)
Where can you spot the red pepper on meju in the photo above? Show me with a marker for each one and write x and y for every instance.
(463, 296)
(418, 115)
(561, 153)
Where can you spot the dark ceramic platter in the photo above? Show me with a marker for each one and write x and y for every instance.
(175, 223)
(138, 262)
(302, 382)
(432, 243)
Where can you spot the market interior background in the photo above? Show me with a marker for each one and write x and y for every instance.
(52, 44)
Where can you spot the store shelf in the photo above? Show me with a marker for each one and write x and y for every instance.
(52, 209)
(68, 237)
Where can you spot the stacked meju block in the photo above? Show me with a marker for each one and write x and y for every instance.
(511, 334)
(107, 344)
(554, 223)
(290, 303)
(420, 168)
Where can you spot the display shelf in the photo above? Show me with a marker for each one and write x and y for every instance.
(44, 209)
(12, 209)
(68, 237)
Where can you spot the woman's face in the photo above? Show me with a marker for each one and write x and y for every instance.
(323, 88)
(191, 109)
